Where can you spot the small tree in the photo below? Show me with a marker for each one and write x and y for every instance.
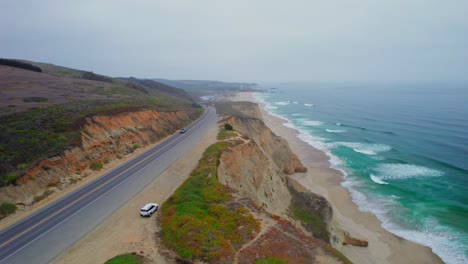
(227, 126)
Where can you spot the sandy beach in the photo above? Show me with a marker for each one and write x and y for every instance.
(384, 247)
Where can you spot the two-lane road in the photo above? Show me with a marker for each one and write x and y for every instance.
(48, 232)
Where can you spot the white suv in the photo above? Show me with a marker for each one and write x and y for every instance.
(148, 209)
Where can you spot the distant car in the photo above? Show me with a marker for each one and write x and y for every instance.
(183, 130)
(148, 209)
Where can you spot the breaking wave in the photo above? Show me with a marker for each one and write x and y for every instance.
(368, 149)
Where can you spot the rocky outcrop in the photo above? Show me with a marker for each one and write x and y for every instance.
(348, 240)
(103, 139)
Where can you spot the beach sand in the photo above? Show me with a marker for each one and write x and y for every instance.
(384, 247)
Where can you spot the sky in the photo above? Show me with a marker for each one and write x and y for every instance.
(244, 40)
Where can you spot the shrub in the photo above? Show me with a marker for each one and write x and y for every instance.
(22, 166)
(228, 126)
(9, 178)
(20, 64)
(271, 260)
(96, 166)
(7, 208)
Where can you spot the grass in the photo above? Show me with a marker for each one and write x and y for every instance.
(196, 223)
(225, 134)
(271, 260)
(334, 252)
(131, 258)
(311, 220)
(96, 166)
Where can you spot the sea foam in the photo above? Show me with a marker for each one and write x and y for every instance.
(364, 148)
(335, 130)
(308, 122)
(394, 171)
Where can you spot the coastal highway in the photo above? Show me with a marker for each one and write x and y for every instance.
(43, 235)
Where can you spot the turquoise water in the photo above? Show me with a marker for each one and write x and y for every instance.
(403, 149)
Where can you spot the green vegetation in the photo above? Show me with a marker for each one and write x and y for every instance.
(196, 223)
(334, 252)
(132, 258)
(225, 134)
(271, 260)
(228, 126)
(10, 177)
(95, 166)
(19, 64)
(7, 208)
(96, 77)
(312, 221)
(43, 195)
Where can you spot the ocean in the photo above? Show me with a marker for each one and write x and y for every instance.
(403, 150)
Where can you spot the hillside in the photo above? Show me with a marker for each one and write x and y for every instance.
(198, 88)
(50, 114)
(157, 86)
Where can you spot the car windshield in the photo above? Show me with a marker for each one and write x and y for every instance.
(146, 209)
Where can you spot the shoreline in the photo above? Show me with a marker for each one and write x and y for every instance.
(384, 247)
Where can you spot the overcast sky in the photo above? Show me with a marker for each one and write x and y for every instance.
(244, 40)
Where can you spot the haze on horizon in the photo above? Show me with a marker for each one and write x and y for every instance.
(296, 41)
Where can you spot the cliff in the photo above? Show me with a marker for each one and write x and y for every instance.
(103, 138)
(258, 168)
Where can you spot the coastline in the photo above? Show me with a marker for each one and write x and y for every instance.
(384, 247)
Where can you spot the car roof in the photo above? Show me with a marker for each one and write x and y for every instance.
(148, 206)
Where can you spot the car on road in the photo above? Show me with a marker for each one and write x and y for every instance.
(148, 209)
(183, 130)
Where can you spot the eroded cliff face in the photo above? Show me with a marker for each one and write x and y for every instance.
(258, 167)
(103, 139)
